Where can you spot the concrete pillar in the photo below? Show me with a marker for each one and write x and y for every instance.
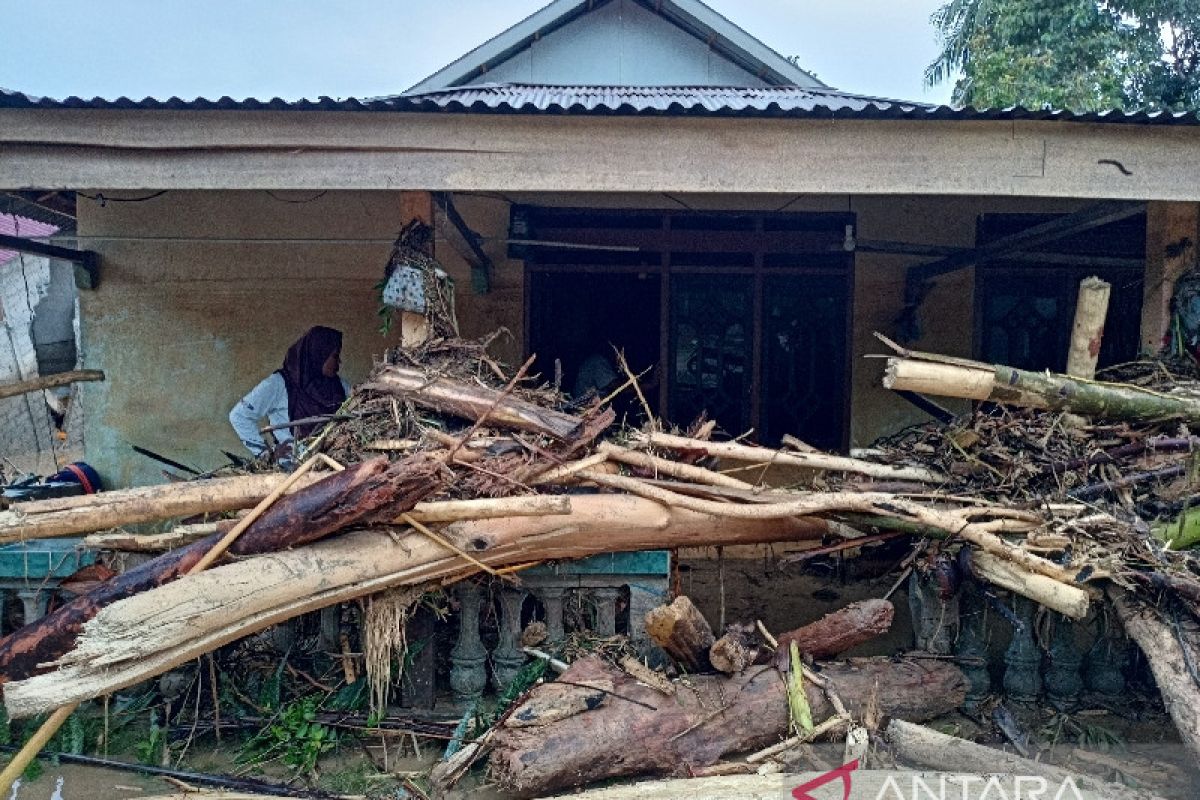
(35, 601)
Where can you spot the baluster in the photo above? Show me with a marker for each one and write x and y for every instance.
(605, 600)
(643, 596)
(3, 610)
(934, 619)
(34, 601)
(971, 647)
(1063, 681)
(1106, 661)
(552, 601)
(507, 658)
(329, 637)
(468, 675)
(1022, 678)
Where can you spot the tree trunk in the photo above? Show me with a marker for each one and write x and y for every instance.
(68, 516)
(447, 396)
(683, 632)
(764, 455)
(840, 630)
(152, 632)
(953, 377)
(1168, 662)
(49, 382)
(929, 748)
(1087, 331)
(314, 512)
(657, 735)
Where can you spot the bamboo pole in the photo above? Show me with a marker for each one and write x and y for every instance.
(930, 373)
(764, 455)
(49, 382)
(1087, 331)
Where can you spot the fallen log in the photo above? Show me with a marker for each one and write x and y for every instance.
(929, 748)
(431, 512)
(149, 633)
(69, 516)
(682, 631)
(49, 382)
(1172, 667)
(447, 396)
(634, 730)
(840, 630)
(1068, 600)
(766, 456)
(306, 516)
(930, 373)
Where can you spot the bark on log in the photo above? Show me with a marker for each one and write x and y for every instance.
(1168, 662)
(68, 516)
(840, 630)
(150, 633)
(929, 748)
(1087, 331)
(682, 631)
(356, 494)
(49, 382)
(668, 735)
(739, 647)
(972, 380)
(764, 455)
(448, 396)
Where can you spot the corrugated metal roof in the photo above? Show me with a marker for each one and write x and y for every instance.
(674, 101)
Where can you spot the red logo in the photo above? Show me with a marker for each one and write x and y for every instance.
(802, 792)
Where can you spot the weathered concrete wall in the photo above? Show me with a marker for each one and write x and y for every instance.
(25, 431)
(184, 328)
(187, 325)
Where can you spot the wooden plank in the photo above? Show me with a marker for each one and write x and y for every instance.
(1172, 236)
(144, 150)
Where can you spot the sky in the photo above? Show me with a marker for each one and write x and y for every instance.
(364, 48)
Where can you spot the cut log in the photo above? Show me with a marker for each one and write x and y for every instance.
(838, 631)
(152, 632)
(738, 648)
(311, 513)
(49, 382)
(1168, 662)
(447, 396)
(766, 456)
(1087, 331)
(1068, 600)
(653, 735)
(682, 631)
(69, 516)
(929, 373)
(929, 748)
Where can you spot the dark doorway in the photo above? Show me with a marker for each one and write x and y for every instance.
(580, 320)
(1024, 311)
(746, 315)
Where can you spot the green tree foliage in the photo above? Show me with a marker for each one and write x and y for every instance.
(1082, 55)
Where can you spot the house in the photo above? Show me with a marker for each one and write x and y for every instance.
(37, 337)
(634, 173)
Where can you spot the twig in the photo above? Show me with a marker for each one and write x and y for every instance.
(787, 744)
(602, 690)
(411, 521)
(555, 664)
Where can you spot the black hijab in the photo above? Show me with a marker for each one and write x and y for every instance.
(310, 393)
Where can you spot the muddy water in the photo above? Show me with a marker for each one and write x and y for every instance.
(87, 783)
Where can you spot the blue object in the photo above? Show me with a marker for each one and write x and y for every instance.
(648, 562)
(38, 559)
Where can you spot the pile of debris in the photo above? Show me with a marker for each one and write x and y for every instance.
(483, 472)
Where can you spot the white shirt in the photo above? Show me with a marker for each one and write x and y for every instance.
(269, 399)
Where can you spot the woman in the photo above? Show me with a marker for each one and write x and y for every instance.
(306, 386)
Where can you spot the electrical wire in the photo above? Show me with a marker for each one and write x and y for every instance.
(316, 196)
(102, 200)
